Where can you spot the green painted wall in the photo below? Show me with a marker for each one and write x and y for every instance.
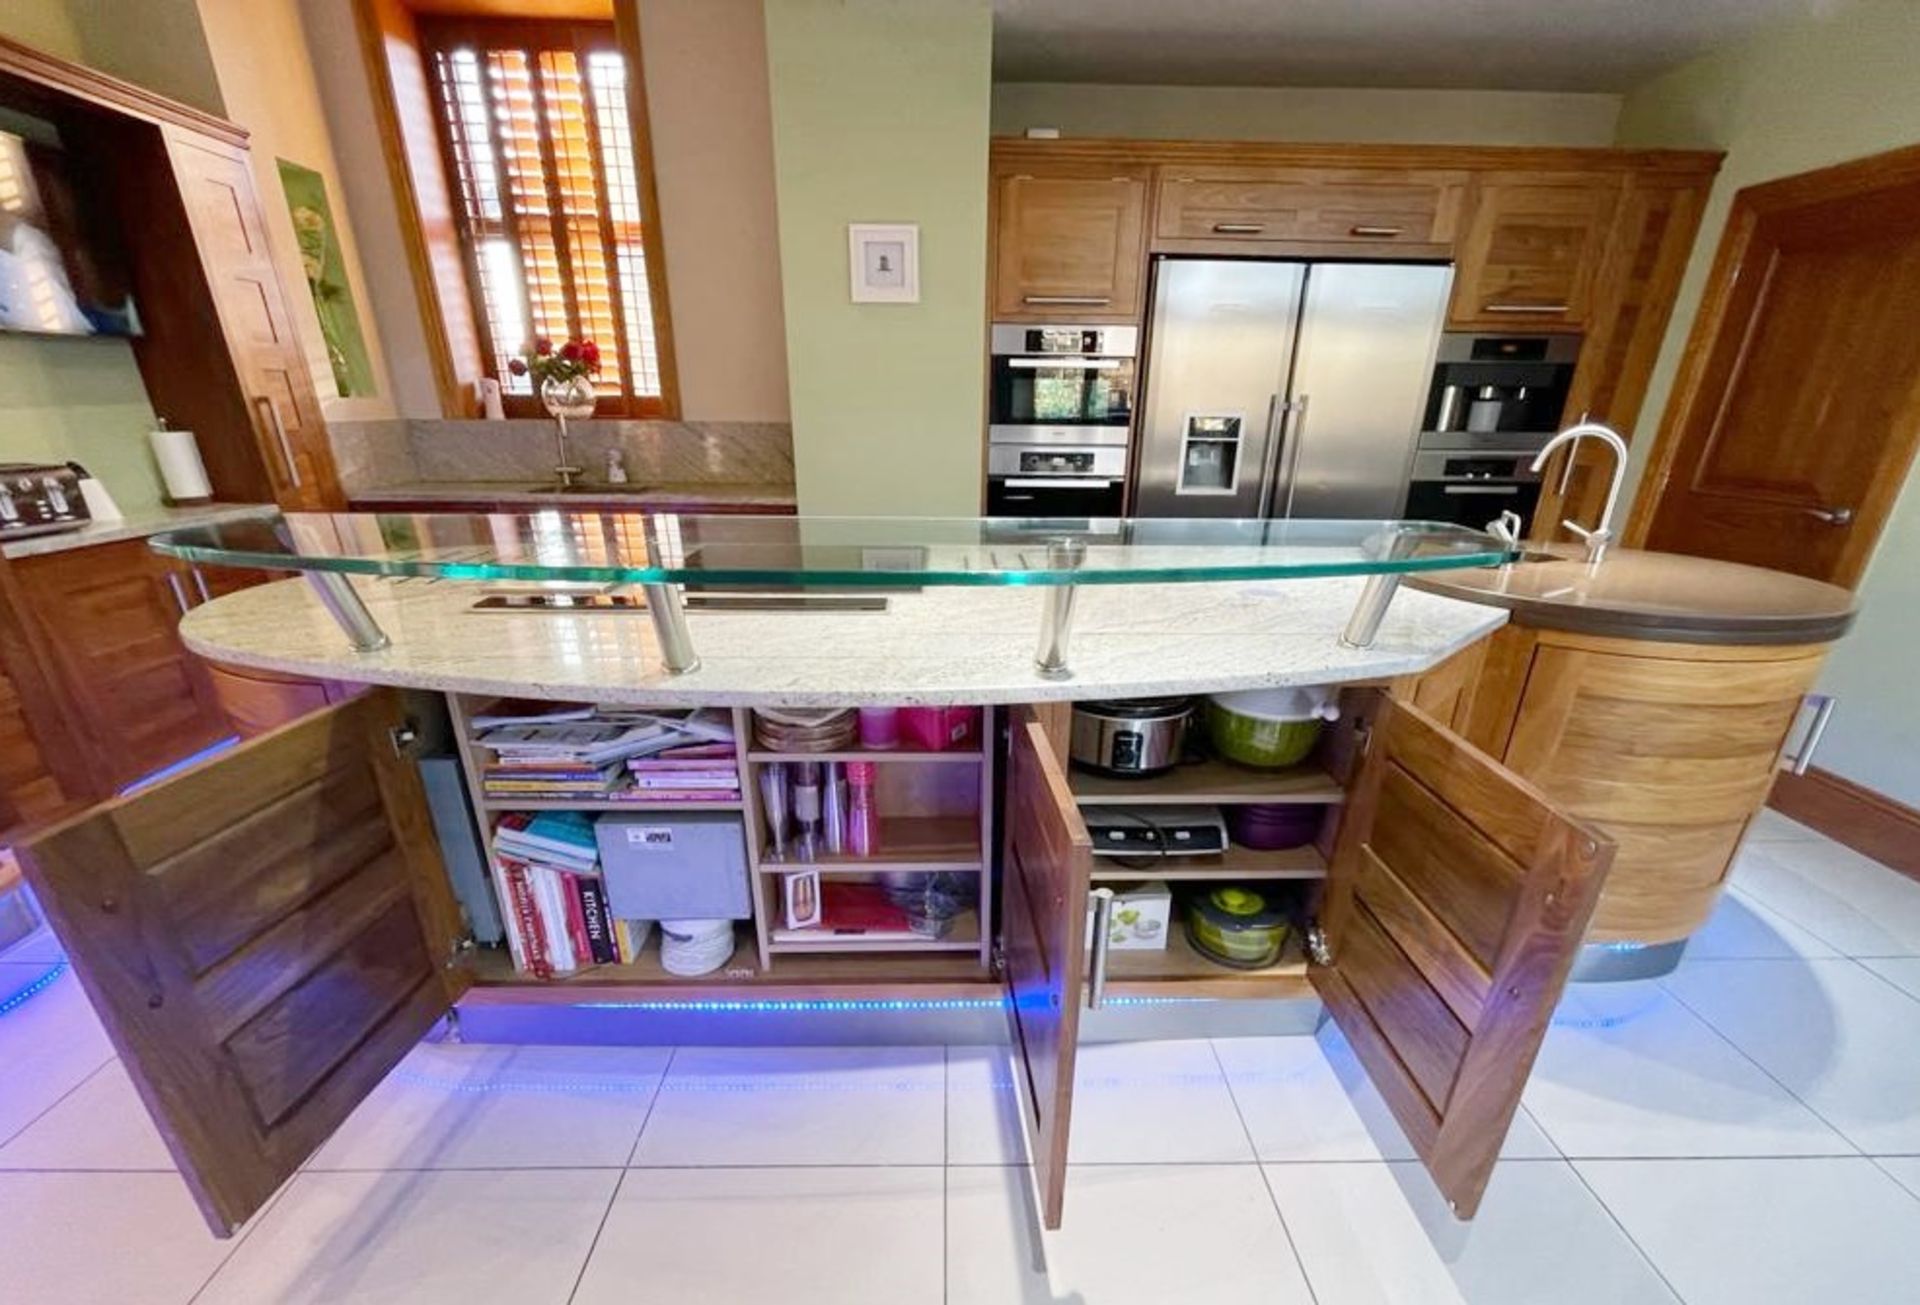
(1797, 98)
(880, 112)
(78, 400)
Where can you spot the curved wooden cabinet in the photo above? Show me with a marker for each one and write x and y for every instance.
(1669, 748)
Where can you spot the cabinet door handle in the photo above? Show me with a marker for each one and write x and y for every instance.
(179, 594)
(1066, 301)
(1481, 489)
(1375, 233)
(1238, 228)
(266, 405)
(1823, 705)
(1102, 922)
(1527, 308)
(1839, 516)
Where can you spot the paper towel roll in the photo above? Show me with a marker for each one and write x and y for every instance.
(180, 466)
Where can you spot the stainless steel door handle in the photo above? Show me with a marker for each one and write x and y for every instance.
(1527, 308)
(1065, 301)
(1059, 482)
(266, 405)
(1238, 228)
(1481, 489)
(1276, 431)
(1102, 922)
(1839, 516)
(1823, 705)
(1297, 441)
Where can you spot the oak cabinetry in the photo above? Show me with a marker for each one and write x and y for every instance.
(1378, 207)
(29, 790)
(1532, 251)
(1070, 244)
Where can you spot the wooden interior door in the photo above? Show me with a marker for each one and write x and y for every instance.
(1070, 247)
(1047, 870)
(1456, 901)
(1797, 409)
(264, 937)
(223, 210)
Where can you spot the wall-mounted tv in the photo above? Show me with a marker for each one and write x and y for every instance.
(61, 267)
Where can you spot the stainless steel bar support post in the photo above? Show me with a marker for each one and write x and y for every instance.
(337, 595)
(1364, 624)
(669, 615)
(1056, 616)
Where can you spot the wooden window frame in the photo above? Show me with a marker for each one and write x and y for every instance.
(390, 32)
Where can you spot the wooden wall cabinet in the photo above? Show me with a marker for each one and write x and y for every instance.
(1223, 209)
(1070, 245)
(1532, 251)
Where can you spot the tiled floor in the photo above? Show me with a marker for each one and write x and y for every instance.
(1746, 1130)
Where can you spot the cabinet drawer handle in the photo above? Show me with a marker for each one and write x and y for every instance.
(1063, 301)
(1823, 705)
(1238, 228)
(1481, 489)
(1102, 922)
(1839, 516)
(1527, 308)
(266, 405)
(1377, 233)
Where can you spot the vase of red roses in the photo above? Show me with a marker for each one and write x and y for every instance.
(565, 377)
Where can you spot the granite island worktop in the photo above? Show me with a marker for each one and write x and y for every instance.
(940, 645)
(700, 496)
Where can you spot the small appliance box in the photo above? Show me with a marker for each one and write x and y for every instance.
(681, 866)
(1142, 914)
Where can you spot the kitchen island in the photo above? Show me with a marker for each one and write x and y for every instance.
(267, 933)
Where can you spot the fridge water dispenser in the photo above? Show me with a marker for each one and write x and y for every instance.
(1210, 447)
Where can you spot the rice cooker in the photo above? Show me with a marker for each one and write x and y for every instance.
(1129, 736)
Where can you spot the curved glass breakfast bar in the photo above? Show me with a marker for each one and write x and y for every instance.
(582, 561)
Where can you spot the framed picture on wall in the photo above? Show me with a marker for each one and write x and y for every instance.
(884, 259)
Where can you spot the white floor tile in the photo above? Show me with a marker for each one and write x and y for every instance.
(1903, 972)
(1308, 1099)
(419, 1239)
(1905, 1170)
(450, 1106)
(813, 1236)
(1627, 1070)
(798, 1106)
(1768, 1231)
(49, 1045)
(1833, 892)
(1133, 1103)
(102, 1239)
(1378, 1234)
(1771, 827)
(1844, 1042)
(1741, 928)
(1131, 1236)
(102, 1124)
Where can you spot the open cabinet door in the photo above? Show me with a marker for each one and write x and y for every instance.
(1047, 866)
(264, 937)
(1456, 902)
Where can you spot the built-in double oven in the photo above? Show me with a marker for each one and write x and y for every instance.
(1060, 416)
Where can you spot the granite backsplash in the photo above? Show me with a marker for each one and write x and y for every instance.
(375, 454)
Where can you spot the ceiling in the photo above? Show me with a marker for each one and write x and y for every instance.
(1535, 45)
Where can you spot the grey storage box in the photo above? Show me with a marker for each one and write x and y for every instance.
(662, 866)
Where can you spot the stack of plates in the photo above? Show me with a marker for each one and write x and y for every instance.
(693, 947)
(801, 730)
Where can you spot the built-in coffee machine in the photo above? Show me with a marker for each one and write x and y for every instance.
(1495, 402)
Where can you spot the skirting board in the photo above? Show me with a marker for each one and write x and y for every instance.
(1868, 822)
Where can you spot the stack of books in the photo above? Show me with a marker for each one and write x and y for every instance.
(693, 772)
(547, 872)
(572, 754)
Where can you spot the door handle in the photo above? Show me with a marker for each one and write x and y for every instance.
(1276, 431)
(1839, 516)
(1298, 441)
(1375, 233)
(1102, 922)
(1061, 482)
(266, 405)
(1065, 301)
(1526, 308)
(1481, 489)
(1238, 228)
(1823, 705)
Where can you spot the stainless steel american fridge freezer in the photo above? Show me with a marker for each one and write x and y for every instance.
(1283, 388)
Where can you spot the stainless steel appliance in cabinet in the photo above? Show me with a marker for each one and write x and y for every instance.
(1280, 388)
(1061, 414)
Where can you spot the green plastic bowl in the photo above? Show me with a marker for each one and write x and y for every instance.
(1255, 741)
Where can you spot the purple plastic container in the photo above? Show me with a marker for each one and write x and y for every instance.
(1272, 826)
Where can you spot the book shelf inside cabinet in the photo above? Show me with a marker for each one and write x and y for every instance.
(935, 809)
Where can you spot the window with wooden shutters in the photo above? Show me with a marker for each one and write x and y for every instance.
(535, 124)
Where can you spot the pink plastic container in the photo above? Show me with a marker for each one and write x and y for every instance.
(880, 727)
(940, 729)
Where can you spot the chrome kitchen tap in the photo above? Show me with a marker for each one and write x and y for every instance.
(1601, 535)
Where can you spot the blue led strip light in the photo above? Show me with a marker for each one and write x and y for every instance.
(32, 990)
